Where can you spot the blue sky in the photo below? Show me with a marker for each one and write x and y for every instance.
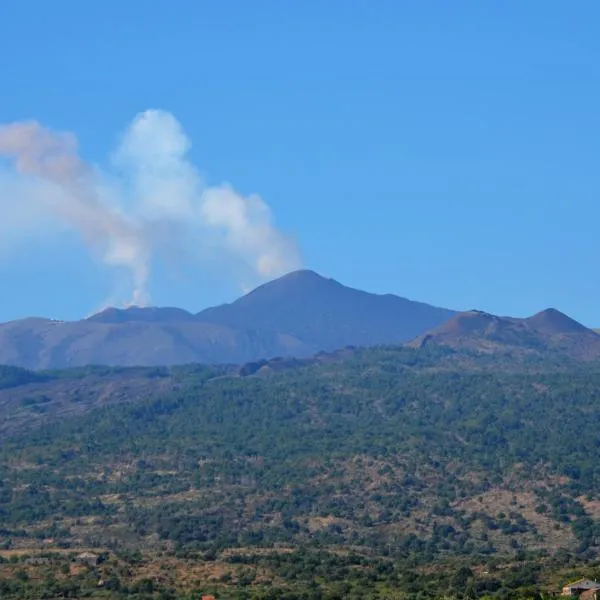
(443, 151)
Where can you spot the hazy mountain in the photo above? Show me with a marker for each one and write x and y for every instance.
(295, 316)
(50, 344)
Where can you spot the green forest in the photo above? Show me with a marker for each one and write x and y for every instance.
(379, 473)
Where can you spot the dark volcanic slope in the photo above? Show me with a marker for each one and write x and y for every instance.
(295, 316)
(327, 315)
(549, 330)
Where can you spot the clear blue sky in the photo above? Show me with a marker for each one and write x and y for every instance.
(444, 151)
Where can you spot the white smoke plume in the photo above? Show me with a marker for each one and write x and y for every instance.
(160, 201)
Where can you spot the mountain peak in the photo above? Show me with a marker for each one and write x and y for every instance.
(301, 279)
(303, 275)
(552, 321)
(327, 315)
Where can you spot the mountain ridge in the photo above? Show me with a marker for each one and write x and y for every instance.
(545, 331)
(296, 316)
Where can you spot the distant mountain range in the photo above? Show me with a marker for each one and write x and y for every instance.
(297, 315)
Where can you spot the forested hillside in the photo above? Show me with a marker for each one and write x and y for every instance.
(379, 471)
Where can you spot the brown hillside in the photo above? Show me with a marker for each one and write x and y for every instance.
(546, 331)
